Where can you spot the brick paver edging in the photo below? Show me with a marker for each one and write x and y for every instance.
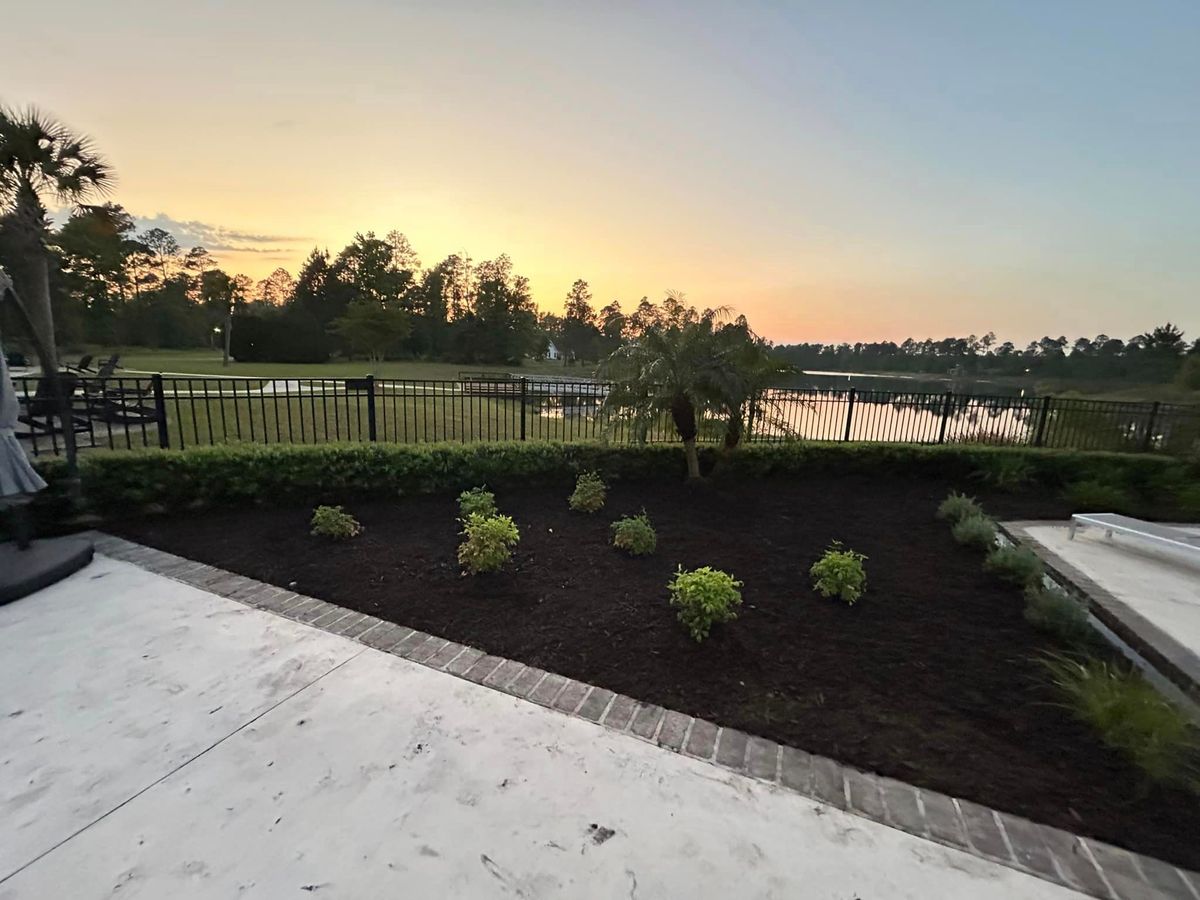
(1049, 853)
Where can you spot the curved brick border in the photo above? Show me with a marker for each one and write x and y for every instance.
(1098, 869)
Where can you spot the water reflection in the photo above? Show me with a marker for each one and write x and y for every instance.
(835, 415)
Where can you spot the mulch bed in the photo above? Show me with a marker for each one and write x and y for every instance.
(930, 678)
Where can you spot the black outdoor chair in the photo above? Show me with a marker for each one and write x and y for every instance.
(110, 365)
(41, 410)
(84, 364)
(128, 403)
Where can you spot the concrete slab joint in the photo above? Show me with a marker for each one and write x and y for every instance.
(1051, 854)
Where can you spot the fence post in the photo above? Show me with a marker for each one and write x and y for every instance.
(160, 411)
(1148, 443)
(524, 400)
(945, 416)
(849, 414)
(370, 408)
(1043, 416)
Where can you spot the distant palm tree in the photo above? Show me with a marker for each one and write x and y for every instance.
(667, 370)
(744, 373)
(697, 366)
(39, 159)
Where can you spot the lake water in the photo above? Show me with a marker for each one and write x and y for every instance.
(873, 414)
(962, 384)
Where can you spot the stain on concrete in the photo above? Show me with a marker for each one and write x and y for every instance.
(196, 867)
(599, 833)
(505, 878)
(16, 801)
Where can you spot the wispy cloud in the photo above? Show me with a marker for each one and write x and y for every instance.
(216, 238)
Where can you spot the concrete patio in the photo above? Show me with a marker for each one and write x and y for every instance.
(1151, 594)
(157, 740)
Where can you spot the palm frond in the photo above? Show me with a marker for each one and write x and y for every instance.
(40, 156)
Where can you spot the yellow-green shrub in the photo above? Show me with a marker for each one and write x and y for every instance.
(839, 573)
(589, 493)
(635, 535)
(487, 542)
(334, 522)
(704, 597)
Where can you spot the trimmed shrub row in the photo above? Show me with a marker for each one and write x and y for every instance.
(125, 481)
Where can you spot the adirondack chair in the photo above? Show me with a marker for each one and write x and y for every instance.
(109, 366)
(84, 365)
(127, 402)
(41, 413)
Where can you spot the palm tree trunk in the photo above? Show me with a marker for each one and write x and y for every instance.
(693, 459)
(41, 317)
(733, 430)
(683, 413)
(39, 322)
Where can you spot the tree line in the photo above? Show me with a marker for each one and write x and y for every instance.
(1159, 355)
(111, 284)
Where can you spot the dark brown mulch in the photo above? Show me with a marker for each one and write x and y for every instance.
(931, 678)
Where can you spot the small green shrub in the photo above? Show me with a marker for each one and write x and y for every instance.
(635, 535)
(705, 597)
(477, 500)
(1097, 496)
(839, 573)
(1051, 610)
(588, 495)
(487, 542)
(334, 522)
(1019, 565)
(957, 507)
(1132, 718)
(975, 531)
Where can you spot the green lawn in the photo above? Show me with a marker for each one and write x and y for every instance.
(280, 402)
(208, 362)
(410, 415)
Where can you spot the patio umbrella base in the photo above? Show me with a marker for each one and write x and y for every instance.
(45, 562)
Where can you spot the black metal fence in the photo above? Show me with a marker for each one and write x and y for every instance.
(177, 412)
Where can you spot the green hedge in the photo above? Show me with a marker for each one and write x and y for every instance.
(1139, 472)
(240, 474)
(121, 482)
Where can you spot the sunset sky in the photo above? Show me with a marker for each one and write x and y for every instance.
(835, 170)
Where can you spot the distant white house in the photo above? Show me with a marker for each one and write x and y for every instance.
(552, 350)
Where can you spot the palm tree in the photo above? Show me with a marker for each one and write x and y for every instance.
(744, 372)
(693, 367)
(41, 158)
(668, 370)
